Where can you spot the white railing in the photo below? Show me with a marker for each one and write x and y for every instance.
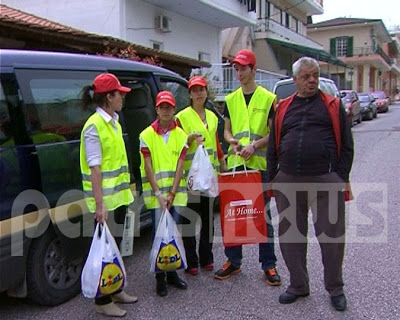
(222, 80)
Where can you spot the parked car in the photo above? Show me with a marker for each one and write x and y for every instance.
(368, 106)
(381, 100)
(45, 227)
(286, 87)
(352, 105)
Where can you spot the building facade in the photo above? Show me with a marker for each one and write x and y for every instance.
(191, 28)
(367, 46)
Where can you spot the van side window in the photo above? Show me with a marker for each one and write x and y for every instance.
(179, 90)
(5, 133)
(53, 104)
(137, 114)
(55, 118)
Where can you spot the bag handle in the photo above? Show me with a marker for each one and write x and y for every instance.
(234, 165)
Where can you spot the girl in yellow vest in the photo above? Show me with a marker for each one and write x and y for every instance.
(163, 147)
(201, 126)
(104, 167)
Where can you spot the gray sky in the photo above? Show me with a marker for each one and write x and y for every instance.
(387, 10)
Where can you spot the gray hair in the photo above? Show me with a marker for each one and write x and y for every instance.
(304, 61)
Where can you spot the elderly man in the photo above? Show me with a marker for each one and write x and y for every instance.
(310, 154)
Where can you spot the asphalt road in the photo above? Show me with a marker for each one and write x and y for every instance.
(371, 266)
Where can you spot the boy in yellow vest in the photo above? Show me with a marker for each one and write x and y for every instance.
(163, 147)
(248, 114)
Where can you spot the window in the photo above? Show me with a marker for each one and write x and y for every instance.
(287, 20)
(5, 129)
(157, 45)
(203, 56)
(52, 102)
(267, 9)
(179, 90)
(341, 46)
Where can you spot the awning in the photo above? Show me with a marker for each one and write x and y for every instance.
(317, 54)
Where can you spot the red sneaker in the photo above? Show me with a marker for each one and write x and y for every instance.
(192, 271)
(209, 267)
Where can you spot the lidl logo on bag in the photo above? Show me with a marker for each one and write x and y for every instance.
(112, 278)
(169, 257)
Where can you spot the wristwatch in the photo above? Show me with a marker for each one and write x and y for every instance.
(157, 193)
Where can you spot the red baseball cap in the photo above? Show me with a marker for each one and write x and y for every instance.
(197, 81)
(245, 57)
(107, 82)
(165, 96)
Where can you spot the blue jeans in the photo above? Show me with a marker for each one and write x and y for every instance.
(266, 250)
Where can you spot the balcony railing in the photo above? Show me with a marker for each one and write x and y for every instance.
(222, 79)
(370, 50)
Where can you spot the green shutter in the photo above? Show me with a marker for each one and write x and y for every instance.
(333, 46)
(349, 47)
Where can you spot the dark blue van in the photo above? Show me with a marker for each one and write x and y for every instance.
(44, 227)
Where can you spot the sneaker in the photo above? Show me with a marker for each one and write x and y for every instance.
(209, 267)
(226, 271)
(273, 278)
(192, 271)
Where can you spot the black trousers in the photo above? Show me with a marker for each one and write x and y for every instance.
(200, 207)
(323, 195)
(115, 223)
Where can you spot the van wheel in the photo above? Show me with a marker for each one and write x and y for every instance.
(50, 280)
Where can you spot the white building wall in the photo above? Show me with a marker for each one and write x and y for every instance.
(187, 37)
(95, 16)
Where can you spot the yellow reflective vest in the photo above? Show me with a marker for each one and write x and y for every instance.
(114, 166)
(164, 158)
(249, 123)
(191, 122)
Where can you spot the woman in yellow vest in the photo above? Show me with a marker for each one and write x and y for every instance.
(163, 147)
(104, 167)
(201, 126)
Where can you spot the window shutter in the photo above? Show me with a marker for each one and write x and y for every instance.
(333, 46)
(349, 47)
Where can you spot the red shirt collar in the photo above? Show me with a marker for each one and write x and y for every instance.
(157, 127)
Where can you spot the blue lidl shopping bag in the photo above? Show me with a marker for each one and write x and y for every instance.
(167, 253)
(104, 271)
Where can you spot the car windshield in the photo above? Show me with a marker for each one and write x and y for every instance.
(347, 97)
(363, 98)
(285, 90)
(378, 95)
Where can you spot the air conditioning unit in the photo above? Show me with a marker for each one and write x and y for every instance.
(162, 23)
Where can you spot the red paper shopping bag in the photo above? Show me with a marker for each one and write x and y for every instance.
(242, 208)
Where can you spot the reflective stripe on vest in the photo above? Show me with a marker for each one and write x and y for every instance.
(114, 166)
(191, 122)
(249, 124)
(164, 158)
